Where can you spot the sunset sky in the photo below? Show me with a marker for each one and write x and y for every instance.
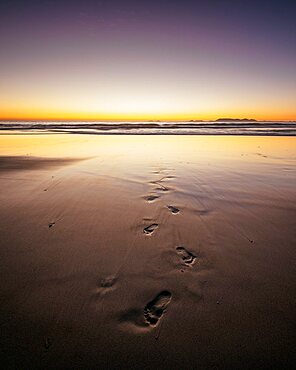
(142, 60)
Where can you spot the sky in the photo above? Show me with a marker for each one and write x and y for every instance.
(147, 60)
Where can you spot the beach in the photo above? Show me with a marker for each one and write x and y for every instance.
(147, 252)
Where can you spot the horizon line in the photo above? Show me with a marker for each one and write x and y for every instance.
(140, 120)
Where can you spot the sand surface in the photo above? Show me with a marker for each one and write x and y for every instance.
(151, 252)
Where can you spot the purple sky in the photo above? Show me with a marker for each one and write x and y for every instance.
(147, 60)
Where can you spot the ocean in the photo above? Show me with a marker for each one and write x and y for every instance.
(265, 128)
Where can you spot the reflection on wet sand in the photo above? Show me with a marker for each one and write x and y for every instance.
(131, 249)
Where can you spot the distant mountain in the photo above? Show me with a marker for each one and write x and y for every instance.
(235, 120)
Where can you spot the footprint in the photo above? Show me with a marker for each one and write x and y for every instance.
(162, 188)
(154, 310)
(173, 209)
(104, 286)
(108, 282)
(151, 198)
(150, 229)
(186, 256)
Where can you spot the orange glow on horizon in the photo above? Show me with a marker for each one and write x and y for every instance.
(45, 115)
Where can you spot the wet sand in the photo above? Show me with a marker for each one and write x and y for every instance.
(147, 252)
